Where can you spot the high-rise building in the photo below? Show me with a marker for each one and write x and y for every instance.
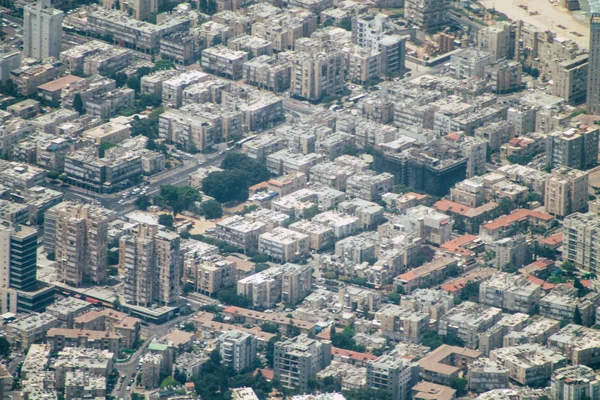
(566, 191)
(429, 15)
(297, 360)
(394, 374)
(78, 234)
(593, 78)
(138, 9)
(580, 239)
(151, 261)
(238, 349)
(575, 383)
(42, 30)
(573, 148)
(19, 288)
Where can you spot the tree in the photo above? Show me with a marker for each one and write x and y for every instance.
(432, 340)
(163, 64)
(178, 198)
(52, 174)
(168, 382)
(78, 104)
(4, 347)
(460, 385)
(212, 7)
(394, 298)
(142, 202)
(230, 297)
(117, 303)
(346, 23)
(151, 100)
(120, 79)
(269, 327)
(224, 186)
(270, 352)
(105, 146)
(166, 220)
(189, 327)
(212, 209)
(577, 316)
(180, 376)
(133, 82)
(112, 257)
(368, 394)
(203, 6)
(256, 171)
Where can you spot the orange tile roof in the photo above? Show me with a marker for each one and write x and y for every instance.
(354, 355)
(516, 216)
(554, 240)
(258, 186)
(418, 196)
(453, 136)
(460, 209)
(545, 285)
(266, 372)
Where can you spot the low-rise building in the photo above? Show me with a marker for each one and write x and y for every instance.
(529, 364)
(444, 364)
(510, 292)
(283, 244)
(467, 320)
(297, 360)
(224, 61)
(30, 329)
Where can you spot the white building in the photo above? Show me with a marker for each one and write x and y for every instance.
(42, 30)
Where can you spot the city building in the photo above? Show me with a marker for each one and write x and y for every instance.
(593, 76)
(42, 30)
(283, 245)
(574, 382)
(581, 231)
(510, 292)
(152, 262)
(566, 192)
(573, 148)
(529, 364)
(224, 61)
(78, 236)
(428, 15)
(393, 374)
(297, 360)
(237, 349)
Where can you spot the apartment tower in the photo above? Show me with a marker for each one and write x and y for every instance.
(42, 30)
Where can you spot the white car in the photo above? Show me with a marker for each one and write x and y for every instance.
(121, 201)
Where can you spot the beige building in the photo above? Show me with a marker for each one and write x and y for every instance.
(224, 61)
(152, 264)
(510, 292)
(127, 327)
(78, 234)
(566, 191)
(59, 338)
(401, 324)
(528, 364)
(579, 238)
(297, 360)
(570, 79)
(239, 232)
(575, 382)
(283, 244)
(29, 329)
(139, 9)
(319, 236)
(369, 187)
(444, 364)
(496, 40)
(212, 276)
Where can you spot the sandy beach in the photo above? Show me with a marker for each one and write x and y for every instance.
(550, 16)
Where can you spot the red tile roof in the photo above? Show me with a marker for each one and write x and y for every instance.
(518, 215)
(554, 240)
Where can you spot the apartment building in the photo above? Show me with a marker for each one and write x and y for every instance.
(470, 62)
(319, 236)
(210, 276)
(139, 9)
(401, 324)
(59, 338)
(393, 374)
(566, 192)
(429, 224)
(343, 225)
(179, 47)
(112, 321)
(42, 30)
(78, 234)
(28, 77)
(571, 78)
(283, 245)
(467, 320)
(573, 148)
(9, 59)
(573, 382)
(288, 283)
(66, 309)
(445, 364)
(152, 263)
(153, 83)
(189, 129)
(237, 349)
(427, 275)
(510, 292)
(579, 344)
(29, 329)
(579, 239)
(485, 375)
(172, 89)
(561, 304)
(266, 72)
(428, 15)
(224, 61)
(297, 360)
(369, 187)
(107, 105)
(239, 232)
(498, 40)
(529, 364)
(120, 168)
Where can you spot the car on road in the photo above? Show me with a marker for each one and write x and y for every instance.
(128, 388)
(121, 201)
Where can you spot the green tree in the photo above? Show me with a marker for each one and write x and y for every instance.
(52, 174)
(178, 198)
(432, 340)
(120, 79)
(163, 64)
(112, 257)
(105, 146)
(270, 351)
(255, 170)
(4, 347)
(189, 327)
(151, 100)
(142, 202)
(78, 104)
(460, 385)
(394, 298)
(230, 297)
(212, 209)
(269, 327)
(577, 316)
(224, 186)
(133, 82)
(166, 220)
(346, 23)
(168, 382)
